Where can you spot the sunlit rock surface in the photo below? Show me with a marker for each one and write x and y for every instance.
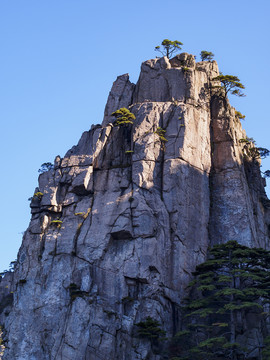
(126, 216)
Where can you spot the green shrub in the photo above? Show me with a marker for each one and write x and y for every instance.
(123, 117)
(38, 195)
(161, 132)
(244, 140)
(83, 214)
(79, 214)
(185, 69)
(57, 223)
(239, 115)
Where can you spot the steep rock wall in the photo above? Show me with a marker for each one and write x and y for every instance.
(239, 206)
(125, 217)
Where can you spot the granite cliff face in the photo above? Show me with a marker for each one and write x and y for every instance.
(125, 217)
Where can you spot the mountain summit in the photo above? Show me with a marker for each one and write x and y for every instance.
(120, 223)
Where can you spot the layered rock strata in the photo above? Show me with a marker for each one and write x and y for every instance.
(125, 217)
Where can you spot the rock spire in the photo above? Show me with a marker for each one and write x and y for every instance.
(125, 217)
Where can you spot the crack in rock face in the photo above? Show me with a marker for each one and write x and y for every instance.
(127, 214)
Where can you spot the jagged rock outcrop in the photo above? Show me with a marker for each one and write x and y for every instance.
(126, 216)
(120, 96)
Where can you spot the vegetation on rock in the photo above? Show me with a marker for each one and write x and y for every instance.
(233, 284)
(258, 152)
(123, 117)
(266, 173)
(230, 83)
(45, 167)
(150, 329)
(239, 115)
(12, 266)
(57, 223)
(2, 347)
(206, 55)
(252, 150)
(169, 47)
(38, 195)
(161, 132)
(83, 214)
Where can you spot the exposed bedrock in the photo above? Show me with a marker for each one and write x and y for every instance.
(126, 216)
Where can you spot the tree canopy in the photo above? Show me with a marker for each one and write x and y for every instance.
(252, 150)
(123, 117)
(266, 173)
(233, 283)
(206, 55)
(169, 47)
(239, 115)
(230, 84)
(45, 167)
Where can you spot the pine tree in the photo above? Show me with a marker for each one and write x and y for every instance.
(123, 117)
(206, 55)
(230, 84)
(239, 115)
(169, 47)
(233, 283)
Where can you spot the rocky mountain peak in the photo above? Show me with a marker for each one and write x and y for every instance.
(120, 223)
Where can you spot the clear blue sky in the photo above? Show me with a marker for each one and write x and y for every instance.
(59, 59)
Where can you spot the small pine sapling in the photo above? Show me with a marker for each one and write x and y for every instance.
(161, 132)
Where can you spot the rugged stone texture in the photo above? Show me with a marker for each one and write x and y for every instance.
(120, 96)
(6, 295)
(125, 217)
(237, 210)
(162, 80)
(6, 302)
(183, 59)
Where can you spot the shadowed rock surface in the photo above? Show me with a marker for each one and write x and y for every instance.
(125, 217)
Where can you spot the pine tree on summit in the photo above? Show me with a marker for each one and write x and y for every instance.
(206, 55)
(169, 47)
